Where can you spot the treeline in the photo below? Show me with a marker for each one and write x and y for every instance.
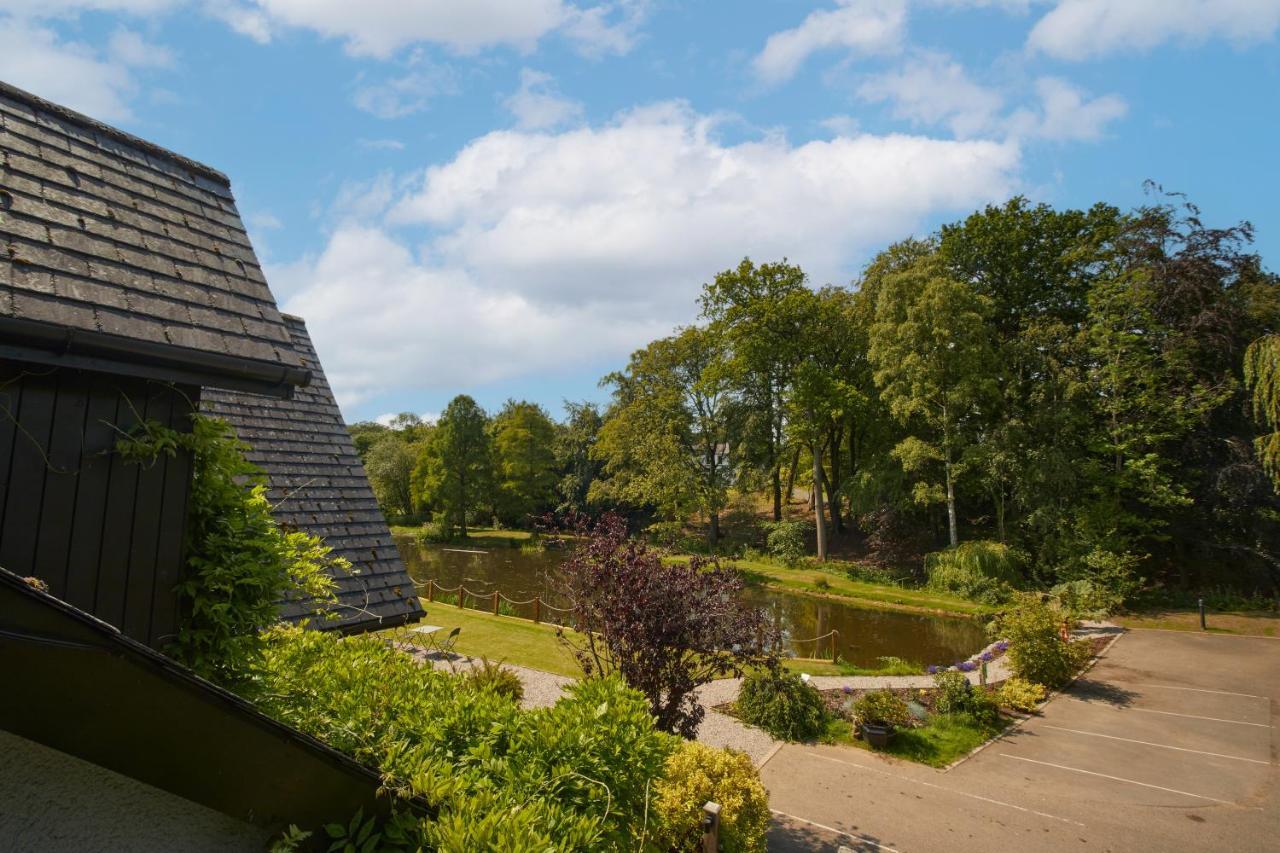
(1069, 383)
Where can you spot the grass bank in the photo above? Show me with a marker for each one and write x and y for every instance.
(830, 582)
(937, 743)
(481, 537)
(1240, 623)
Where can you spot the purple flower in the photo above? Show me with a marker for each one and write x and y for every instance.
(988, 656)
(966, 666)
(847, 689)
(932, 670)
(1002, 646)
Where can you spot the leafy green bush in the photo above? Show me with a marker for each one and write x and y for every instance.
(782, 704)
(954, 693)
(438, 530)
(696, 774)
(1036, 649)
(980, 570)
(1020, 694)
(240, 564)
(881, 707)
(787, 540)
(983, 708)
(492, 675)
(576, 776)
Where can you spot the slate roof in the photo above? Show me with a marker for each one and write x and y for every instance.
(319, 485)
(112, 244)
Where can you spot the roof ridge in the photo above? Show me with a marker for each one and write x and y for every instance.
(92, 124)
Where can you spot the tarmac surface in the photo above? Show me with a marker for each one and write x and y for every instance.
(1169, 743)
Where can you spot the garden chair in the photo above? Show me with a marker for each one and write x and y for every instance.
(445, 646)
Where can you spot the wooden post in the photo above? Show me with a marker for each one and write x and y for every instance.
(495, 602)
(835, 649)
(537, 609)
(711, 828)
(431, 590)
(462, 596)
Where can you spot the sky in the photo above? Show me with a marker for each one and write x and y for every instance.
(505, 198)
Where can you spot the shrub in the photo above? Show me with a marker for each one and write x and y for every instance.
(782, 704)
(1099, 583)
(954, 693)
(982, 571)
(575, 776)
(438, 529)
(695, 774)
(1036, 651)
(881, 707)
(490, 675)
(786, 541)
(983, 708)
(666, 628)
(1020, 694)
(821, 582)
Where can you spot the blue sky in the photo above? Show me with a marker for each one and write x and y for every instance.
(506, 197)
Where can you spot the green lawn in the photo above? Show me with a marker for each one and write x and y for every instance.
(1249, 624)
(491, 537)
(942, 739)
(502, 638)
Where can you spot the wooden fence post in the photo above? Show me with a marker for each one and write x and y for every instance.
(495, 602)
(711, 828)
(462, 596)
(431, 590)
(835, 649)
(537, 609)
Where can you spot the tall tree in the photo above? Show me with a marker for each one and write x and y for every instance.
(455, 470)
(665, 439)
(389, 465)
(762, 313)
(579, 468)
(524, 462)
(933, 362)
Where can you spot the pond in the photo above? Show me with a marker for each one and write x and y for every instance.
(864, 635)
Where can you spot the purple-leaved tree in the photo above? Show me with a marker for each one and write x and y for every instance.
(666, 628)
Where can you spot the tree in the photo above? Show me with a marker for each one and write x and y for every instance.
(579, 468)
(524, 462)
(455, 470)
(1262, 374)
(665, 439)
(761, 313)
(933, 361)
(667, 628)
(389, 466)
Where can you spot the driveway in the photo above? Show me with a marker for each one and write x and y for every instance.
(1168, 744)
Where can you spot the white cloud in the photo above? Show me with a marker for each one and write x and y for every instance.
(386, 418)
(265, 220)
(382, 27)
(129, 48)
(537, 105)
(532, 252)
(60, 8)
(1067, 113)
(244, 19)
(1079, 29)
(409, 93)
(33, 57)
(932, 89)
(866, 27)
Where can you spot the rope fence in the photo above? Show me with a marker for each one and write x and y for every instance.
(834, 634)
(493, 600)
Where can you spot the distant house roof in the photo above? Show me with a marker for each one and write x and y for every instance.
(319, 485)
(118, 255)
(76, 684)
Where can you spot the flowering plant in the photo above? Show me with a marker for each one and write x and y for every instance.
(966, 666)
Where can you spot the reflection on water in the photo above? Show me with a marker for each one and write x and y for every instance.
(864, 635)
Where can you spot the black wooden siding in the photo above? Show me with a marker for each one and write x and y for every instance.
(104, 534)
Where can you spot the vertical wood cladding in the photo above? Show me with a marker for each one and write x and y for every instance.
(104, 534)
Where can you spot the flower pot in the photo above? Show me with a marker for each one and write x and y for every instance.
(877, 735)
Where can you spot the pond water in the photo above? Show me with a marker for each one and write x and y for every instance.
(864, 635)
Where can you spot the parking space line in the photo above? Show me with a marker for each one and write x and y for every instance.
(1176, 714)
(944, 788)
(1203, 690)
(1149, 743)
(862, 839)
(1118, 779)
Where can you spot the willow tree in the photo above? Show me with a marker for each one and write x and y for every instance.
(931, 350)
(1262, 375)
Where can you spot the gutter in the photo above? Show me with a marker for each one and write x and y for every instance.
(31, 340)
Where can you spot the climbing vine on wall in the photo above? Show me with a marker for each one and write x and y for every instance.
(240, 563)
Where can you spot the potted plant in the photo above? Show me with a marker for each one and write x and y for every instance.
(879, 714)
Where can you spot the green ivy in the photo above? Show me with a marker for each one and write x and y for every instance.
(240, 563)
